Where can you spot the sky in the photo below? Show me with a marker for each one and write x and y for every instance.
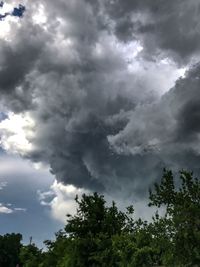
(96, 95)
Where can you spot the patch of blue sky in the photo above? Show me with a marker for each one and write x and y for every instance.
(3, 116)
(16, 12)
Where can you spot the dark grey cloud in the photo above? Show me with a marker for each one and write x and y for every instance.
(171, 27)
(167, 130)
(100, 123)
(18, 57)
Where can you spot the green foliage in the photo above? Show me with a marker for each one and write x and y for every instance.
(10, 245)
(30, 255)
(92, 228)
(59, 252)
(181, 224)
(94, 218)
(102, 236)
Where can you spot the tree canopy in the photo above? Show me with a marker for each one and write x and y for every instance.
(99, 235)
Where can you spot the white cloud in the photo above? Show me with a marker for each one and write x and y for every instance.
(40, 17)
(61, 199)
(8, 22)
(15, 131)
(5, 210)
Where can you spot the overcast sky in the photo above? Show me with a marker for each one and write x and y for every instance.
(95, 96)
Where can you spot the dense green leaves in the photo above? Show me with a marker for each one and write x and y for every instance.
(92, 229)
(102, 236)
(10, 245)
(30, 255)
(182, 218)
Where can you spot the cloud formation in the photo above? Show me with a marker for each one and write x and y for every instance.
(94, 79)
(7, 209)
(167, 129)
(16, 12)
(4, 209)
(163, 27)
(60, 199)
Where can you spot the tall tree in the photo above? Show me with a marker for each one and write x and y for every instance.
(91, 230)
(30, 256)
(182, 217)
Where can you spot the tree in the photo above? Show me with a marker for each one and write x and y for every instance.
(135, 248)
(30, 256)
(182, 217)
(10, 245)
(92, 228)
(59, 252)
(102, 236)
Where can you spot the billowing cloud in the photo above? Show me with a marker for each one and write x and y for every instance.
(169, 27)
(15, 130)
(89, 101)
(61, 200)
(168, 129)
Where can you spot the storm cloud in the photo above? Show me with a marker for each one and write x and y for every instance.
(164, 27)
(100, 83)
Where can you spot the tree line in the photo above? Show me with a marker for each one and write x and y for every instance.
(99, 235)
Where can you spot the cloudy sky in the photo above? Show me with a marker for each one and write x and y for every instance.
(95, 96)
